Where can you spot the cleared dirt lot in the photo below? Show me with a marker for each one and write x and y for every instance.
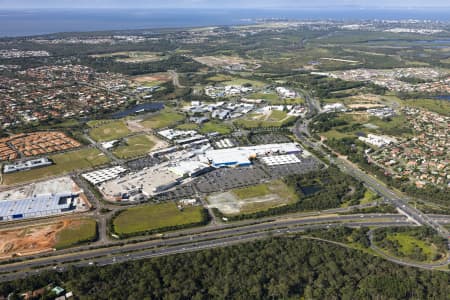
(156, 77)
(229, 204)
(31, 240)
(253, 198)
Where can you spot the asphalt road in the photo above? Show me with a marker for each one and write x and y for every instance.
(183, 245)
(233, 233)
(398, 200)
(406, 263)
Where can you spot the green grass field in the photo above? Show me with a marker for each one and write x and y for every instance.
(252, 191)
(219, 78)
(82, 231)
(242, 81)
(155, 217)
(166, 118)
(273, 99)
(273, 194)
(397, 126)
(408, 243)
(215, 127)
(109, 131)
(187, 126)
(276, 116)
(439, 106)
(63, 163)
(135, 146)
(276, 119)
(269, 97)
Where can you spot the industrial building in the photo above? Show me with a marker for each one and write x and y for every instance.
(26, 165)
(38, 206)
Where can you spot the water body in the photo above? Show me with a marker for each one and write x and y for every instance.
(35, 22)
(310, 190)
(443, 97)
(140, 108)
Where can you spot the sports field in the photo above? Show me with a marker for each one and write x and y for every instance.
(135, 146)
(76, 232)
(109, 130)
(155, 217)
(63, 163)
(163, 119)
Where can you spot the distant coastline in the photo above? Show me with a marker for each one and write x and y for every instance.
(14, 23)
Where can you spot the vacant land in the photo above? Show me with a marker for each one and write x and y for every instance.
(253, 198)
(353, 124)
(219, 78)
(63, 163)
(216, 127)
(242, 81)
(152, 79)
(155, 217)
(275, 118)
(109, 130)
(187, 126)
(163, 119)
(439, 106)
(416, 244)
(219, 61)
(135, 146)
(76, 232)
(273, 98)
(43, 238)
(133, 56)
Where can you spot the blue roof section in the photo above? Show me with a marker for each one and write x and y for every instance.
(36, 205)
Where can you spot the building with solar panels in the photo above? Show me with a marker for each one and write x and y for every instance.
(38, 206)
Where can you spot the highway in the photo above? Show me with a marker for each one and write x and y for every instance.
(324, 221)
(399, 261)
(190, 243)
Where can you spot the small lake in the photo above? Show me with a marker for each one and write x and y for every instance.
(310, 190)
(443, 97)
(144, 107)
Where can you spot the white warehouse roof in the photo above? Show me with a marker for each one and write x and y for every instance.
(103, 175)
(241, 156)
(39, 205)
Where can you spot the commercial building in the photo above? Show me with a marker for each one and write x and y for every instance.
(103, 175)
(378, 140)
(280, 160)
(242, 156)
(38, 206)
(27, 165)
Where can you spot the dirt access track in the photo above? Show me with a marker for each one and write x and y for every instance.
(30, 240)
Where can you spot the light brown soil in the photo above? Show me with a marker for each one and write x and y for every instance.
(31, 239)
(164, 77)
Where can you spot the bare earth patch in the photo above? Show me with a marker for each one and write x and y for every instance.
(31, 240)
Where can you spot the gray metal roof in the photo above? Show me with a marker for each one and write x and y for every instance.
(39, 203)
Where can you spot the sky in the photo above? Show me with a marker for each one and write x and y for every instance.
(298, 4)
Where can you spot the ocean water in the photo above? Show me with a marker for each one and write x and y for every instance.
(36, 22)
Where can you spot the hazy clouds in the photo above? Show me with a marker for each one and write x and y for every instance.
(218, 3)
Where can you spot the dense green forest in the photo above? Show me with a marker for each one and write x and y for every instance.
(267, 269)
